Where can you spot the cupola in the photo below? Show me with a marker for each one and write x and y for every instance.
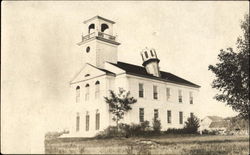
(150, 61)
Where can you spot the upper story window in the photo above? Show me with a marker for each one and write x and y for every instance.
(97, 89)
(87, 92)
(168, 93)
(155, 92)
(78, 94)
(141, 90)
(180, 96)
(156, 113)
(191, 101)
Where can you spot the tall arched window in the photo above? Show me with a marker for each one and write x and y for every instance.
(77, 122)
(104, 28)
(87, 92)
(77, 94)
(91, 28)
(97, 120)
(97, 89)
(87, 121)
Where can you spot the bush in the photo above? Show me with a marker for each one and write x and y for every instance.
(125, 130)
(192, 125)
(156, 125)
(175, 131)
(207, 132)
(145, 126)
(109, 132)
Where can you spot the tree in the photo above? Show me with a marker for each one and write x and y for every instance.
(232, 74)
(119, 104)
(156, 125)
(192, 124)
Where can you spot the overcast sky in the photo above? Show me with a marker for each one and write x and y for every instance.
(39, 55)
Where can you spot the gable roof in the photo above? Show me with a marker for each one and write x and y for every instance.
(80, 74)
(215, 118)
(141, 71)
(219, 124)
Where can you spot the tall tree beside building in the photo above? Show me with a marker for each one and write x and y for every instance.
(119, 104)
(232, 73)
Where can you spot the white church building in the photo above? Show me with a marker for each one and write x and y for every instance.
(159, 94)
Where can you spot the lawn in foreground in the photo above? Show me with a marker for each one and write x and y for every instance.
(167, 144)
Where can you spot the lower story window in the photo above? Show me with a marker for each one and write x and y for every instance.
(87, 122)
(169, 116)
(181, 117)
(141, 114)
(97, 121)
(156, 113)
(77, 123)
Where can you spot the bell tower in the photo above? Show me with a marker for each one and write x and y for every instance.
(99, 44)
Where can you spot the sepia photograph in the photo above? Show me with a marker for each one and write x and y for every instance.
(125, 77)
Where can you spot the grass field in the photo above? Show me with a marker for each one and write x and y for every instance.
(167, 144)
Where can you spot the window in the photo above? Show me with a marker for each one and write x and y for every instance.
(87, 92)
(155, 93)
(77, 122)
(169, 116)
(168, 93)
(87, 49)
(151, 53)
(191, 98)
(155, 54)
(180, 96)
(97, 89)
(104, 28)
(91, 28)
(141, 114)
(97, 120)
(156, 113)
(192, 115)
(146, 54)
(87, 122)
(77, 94)
(140, 90)
(181, 117)
(142, 57)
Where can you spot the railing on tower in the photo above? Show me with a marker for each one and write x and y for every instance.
(99, 34)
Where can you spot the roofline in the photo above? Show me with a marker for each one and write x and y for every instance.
(157, 78)
(99, 17)
(150, 60)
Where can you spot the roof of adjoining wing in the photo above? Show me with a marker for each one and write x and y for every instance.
(165, 76)
(215, 118)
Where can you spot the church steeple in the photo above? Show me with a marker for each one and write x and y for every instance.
(99, 45)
